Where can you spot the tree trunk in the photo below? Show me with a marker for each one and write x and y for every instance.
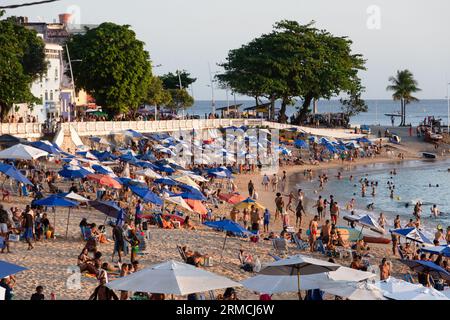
(283, 118)
(402, 122)
(304, 109)
(272, 108)
(4, 109)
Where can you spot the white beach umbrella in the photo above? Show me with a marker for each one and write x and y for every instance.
(172, 277)
(355, 290)
(22, 152)
(149, 173)
(77, 197)
(281, 284)
(398, 289)
(179, 201)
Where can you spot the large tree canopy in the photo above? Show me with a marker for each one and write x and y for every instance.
(172, 80)
(22, 60)
(112, 66)
(293, 61)
(179, 97)
(156, 94)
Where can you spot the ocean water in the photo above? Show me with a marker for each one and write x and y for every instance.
(416, 112)
(411, 184)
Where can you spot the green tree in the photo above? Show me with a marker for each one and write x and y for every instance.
(180, 99)
(114, 67)
(22, 60)
(172, 80)
(403, 85)
(156, 94)
(293, 61)
(354, 104)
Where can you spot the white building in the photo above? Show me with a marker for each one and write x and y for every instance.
(48, 87)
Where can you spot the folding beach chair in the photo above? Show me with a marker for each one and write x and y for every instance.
(280, 245)
(182, 254)
(301, 245)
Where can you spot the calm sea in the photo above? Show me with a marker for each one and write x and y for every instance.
(416, 112)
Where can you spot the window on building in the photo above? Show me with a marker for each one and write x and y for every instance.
(56, 74)
(46, 95)
(51, 95)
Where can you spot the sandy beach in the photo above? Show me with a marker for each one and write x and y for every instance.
(51, 263)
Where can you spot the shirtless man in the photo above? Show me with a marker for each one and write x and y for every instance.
(279, 204)
(299, 210)
(385, 269)
(435, 211)
(274, 183)
(325, 232)
(320, 206)
(289, 204)
(334, 212)
(313, 229)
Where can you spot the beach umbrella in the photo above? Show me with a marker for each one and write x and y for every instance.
(133, 134)
(8, 269)
(149, 173)
(248, 203)
(298, 265)
(187, 181)
(46, 146)
(427, 267)
(148, 157)
(412, 234)
(128, 158)
(355, 291)
(192, 196)
(280, 284)
(166, 181)
(301, 144)
(103, 170)
(73, 196)
(127, 182)
(74, 172)
(366, 221)
(87, 155)
(165, 168)
(22, 152)
(144, 164)
(197, 206)
(13, 173)
(178, 201)
(110, 208)
(172, 277)
(443, 250)
(232, 198)
(56, 201)
(147, 195)
(398, 289)
(227, 226)
(105, 180)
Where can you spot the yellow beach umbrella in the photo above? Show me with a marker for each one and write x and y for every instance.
(187, 180)
(248, 203)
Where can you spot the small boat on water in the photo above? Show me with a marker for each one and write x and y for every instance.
(429, 155)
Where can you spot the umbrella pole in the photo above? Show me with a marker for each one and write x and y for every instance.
(298, 283)
(54, 223)
(361, 232)
(223, 247)
(67, 226)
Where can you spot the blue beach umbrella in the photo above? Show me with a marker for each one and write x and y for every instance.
(301, 144)
(8, 269)
(147, 195)
(165, 168)
(427, 267)
(443, 250)
(127, 182)
(167, 182)
(412, 234)
(46, 146)
(110, 208)
(56, 201)
(133, 134)
(74, 172)
(147, 157)
(227, 226)
(192, 196)
(13, 173)
(102, 169)
(128, 158)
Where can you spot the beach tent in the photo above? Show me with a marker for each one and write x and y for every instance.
(13, 173)
(355, 291)
(74, 172)
(147, 195)
(248, 203)
(110, 208)
(47, 146)
(172, 277)
(444, 250)
(8, 269)
(22, 152)
(412, 234)
(227, 226)
(298, 265)
(56, 201)
(397, 289)
(105, 180)
(282, 284)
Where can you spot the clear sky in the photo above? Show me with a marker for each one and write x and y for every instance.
(182, 34)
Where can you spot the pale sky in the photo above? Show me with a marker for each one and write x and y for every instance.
(183, 34)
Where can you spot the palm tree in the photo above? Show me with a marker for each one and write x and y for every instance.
(403, 86)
